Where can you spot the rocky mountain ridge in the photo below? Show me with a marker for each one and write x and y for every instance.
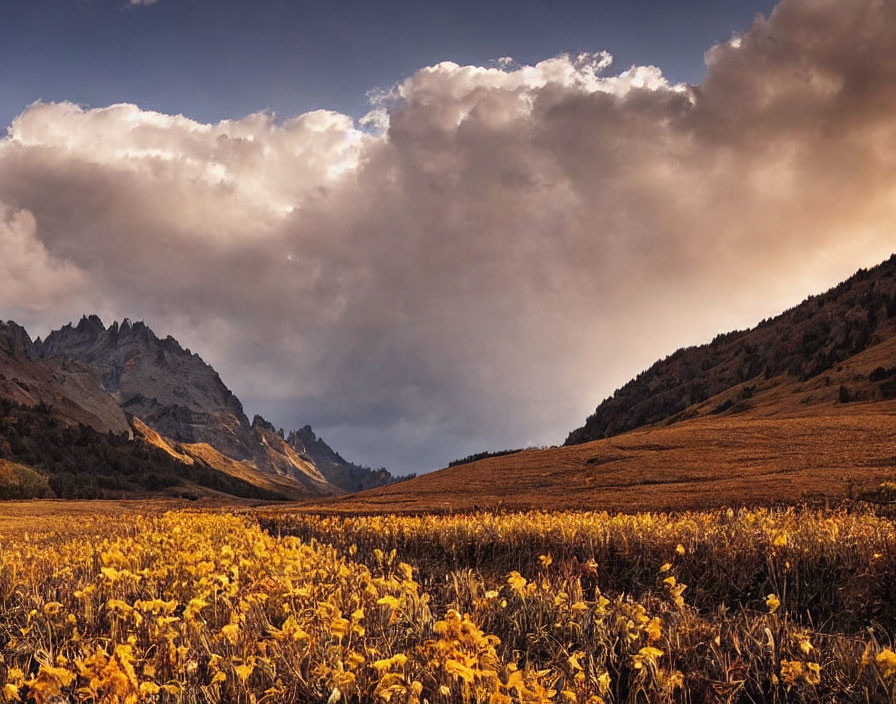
(73, 389)
(347, 475)
(124, 378)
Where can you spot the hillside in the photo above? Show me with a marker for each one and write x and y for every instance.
(803, 343)
(801, 408)
(40, 452)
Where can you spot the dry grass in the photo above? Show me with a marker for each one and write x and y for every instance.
(791, 441)
(27, 517)
(698, 464)
(780, 606)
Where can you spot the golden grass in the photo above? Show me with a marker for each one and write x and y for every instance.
(698, 464)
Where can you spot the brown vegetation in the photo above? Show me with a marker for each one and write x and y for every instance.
(809, 342)
(703, 463)
(762, 441)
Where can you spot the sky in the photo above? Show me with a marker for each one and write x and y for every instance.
(215, 59)
(433, 230)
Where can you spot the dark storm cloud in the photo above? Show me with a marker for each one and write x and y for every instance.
(513, 244)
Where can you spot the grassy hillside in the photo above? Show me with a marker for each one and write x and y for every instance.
(20, 482)
(703, 463)
(803, 408)
(807, 342)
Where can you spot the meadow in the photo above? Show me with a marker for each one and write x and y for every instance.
(274, 605)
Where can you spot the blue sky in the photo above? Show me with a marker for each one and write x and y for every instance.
(213, 59)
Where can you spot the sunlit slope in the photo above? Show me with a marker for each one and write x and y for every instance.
(702, 463)
(810, 342)
(784, 440)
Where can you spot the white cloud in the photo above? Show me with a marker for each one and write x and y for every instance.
(499, 250)
(32, 280)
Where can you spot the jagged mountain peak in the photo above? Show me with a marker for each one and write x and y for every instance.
(305, 440)
(173, 398)
(71, 388)
(157, 380)
(344, 474)
(262, 422)
(178, 395)
(92, 321)
(91, 330)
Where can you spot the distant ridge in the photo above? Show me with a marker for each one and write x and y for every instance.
(346, 475)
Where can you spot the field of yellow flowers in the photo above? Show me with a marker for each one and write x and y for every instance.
(277, 606)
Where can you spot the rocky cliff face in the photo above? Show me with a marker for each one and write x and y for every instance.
(273, 451)
(174, 392)
(124, 377)
(346, 475)
(73, 390)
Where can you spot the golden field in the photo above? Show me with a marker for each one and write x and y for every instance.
(272, 605)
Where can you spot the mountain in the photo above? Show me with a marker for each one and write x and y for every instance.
(346, 475)
(73, 389)
(800, 408)
(169, 388)
(76, 461)
(174, 392)
(129, 396)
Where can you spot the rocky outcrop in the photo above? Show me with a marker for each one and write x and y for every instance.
(274, 452)
(345, 475)
(71, 389)
(172, 390)
(15, 341)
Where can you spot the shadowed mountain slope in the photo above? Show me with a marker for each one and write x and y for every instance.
(346, 475)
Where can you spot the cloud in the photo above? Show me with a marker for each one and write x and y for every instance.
(494, 249)
(33, 280)
(141, 3)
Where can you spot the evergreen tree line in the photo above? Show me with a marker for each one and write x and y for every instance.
(80, 462)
